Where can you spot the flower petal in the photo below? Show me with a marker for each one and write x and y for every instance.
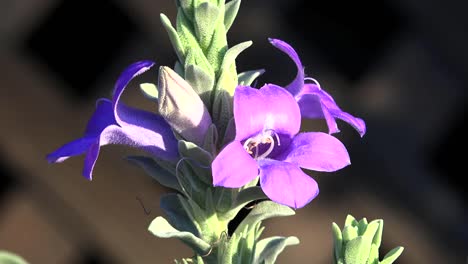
(296, 85)
(127, 75)
(233, 167)
(147, 131)
(312, 98)
(317, 151)
(270, 107)
(286, 183)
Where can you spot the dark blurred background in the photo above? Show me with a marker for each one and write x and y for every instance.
(400, 65)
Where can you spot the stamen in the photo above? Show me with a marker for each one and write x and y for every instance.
(267, 140)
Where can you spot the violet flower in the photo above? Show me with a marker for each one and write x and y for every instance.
(313, 101)
(267, 144)
(115, 123)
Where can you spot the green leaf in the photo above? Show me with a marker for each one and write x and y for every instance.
(337, 241)
(357, 251)
(373, 255)
(229, 60)
(198, 159)
(186, 7)
(362, 226)
(230, 13)
(161, 228)
(173, 37)
(206, 18)
(177, 216)
(247, 77)
(152, 168)
(249, 195)
(201, 82)
(377, 240)
(211, 139)
(262, 211)
(222, 111)
(150, 91)
(10, 258)
(268, 249)
(349, 233)
(392, 255)
(350, 221)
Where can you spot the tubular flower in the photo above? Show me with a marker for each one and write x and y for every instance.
(267, 144)
(313, 101)
(115, 123)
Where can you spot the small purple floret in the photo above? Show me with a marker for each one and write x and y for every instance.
(114, 123)
(268, 144)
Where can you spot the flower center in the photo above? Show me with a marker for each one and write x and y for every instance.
(257, 144)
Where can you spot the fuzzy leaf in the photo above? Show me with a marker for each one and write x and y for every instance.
(161, 228)
(350, 221)
(262, 211)
(377, 240)
(337, 241)
(268, 249)
(206, 17)
(153, 169)
(230, 13)
(198, 158)
(10, 258)
(229, 60)
(249, 195)
(174, 38)
(201, 82)
(349, 233)
(211, 139)
(150, 91)
(392, 255)
(357, 251)
(247, 77)
(177, 216)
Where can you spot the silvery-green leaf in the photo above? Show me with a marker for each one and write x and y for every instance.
(378, 235)
(181, 106)
(174, 38)
(150, 91)
(337, 241)
(230, 132)
(177, 216)
(362, 226)
(153, 169)
(247, 77)
(249, 195)
(161, 228)
(201, 82)
(222, 111)
(211, 139)
(262, 211)
(10, 258)
(206, 17)
(179, 68)
(349, 233)
(373, 255)
(217, 49)
(350, 221)
(371, 230)
(357, 250)
(392, 255)
(187, 7)
(228, 61)
(268, 249)
(230, 13)
(198, 158)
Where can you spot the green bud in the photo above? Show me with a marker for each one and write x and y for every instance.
(359, 243)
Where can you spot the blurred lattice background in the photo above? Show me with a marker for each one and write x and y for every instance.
(400, 65)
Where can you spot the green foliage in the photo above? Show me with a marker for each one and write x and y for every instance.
(359, 242)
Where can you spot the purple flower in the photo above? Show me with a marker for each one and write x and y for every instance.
(267, 144)
(313, 101)
(115, 123)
